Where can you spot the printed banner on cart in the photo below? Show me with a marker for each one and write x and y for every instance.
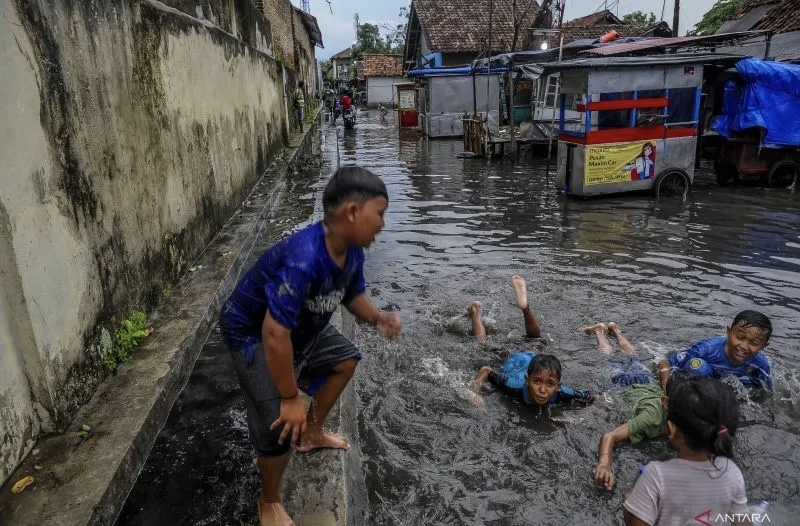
(619, 163)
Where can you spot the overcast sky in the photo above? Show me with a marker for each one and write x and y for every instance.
(338, 33)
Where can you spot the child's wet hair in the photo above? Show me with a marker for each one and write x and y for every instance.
(706, 412)
(545, 362)
(352, 183)
(753, 318)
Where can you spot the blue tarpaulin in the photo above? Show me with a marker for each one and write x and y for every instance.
(769, 98)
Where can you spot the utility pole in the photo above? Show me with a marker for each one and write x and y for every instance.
(676, 18)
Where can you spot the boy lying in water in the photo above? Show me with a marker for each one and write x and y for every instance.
(529, 376)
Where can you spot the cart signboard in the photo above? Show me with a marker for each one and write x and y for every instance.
(620, 163)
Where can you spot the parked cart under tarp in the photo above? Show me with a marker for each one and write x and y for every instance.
(760, 124)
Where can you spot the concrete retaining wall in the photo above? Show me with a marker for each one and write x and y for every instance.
(132, 130)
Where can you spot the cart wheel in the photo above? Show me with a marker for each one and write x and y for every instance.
(726, 173)
(783, 174)
(671, 183)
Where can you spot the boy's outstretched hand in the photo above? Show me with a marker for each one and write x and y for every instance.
(389, 324)
(603, 476)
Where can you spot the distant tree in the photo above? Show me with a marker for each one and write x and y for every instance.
(369, 40)
(719, 13)
(639, 18)
(396, 35)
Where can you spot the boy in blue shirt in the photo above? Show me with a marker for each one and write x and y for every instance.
(738, 355)
(276, 322)
(529, 376)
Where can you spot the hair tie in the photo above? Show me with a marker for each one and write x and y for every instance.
(722, 431)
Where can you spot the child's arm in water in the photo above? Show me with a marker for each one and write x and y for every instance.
(481, 378)
(279, 354)
(387, 323)
(603, 474)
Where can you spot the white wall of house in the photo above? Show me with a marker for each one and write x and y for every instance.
(381, 90)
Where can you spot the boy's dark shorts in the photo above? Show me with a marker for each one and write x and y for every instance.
(628, 370)
(263, 403)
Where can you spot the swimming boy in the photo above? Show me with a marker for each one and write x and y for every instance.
(738, 355)
(640, 391)
(276, 321)
(532, 378)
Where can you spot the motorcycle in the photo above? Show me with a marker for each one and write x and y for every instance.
(349, 118)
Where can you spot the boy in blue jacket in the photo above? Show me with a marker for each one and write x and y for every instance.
(738, 354)
(529, 376)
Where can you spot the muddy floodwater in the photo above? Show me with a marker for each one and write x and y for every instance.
(669, 272)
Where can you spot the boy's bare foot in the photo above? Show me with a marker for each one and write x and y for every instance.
(474, 309)
(273, 514)
(323, 441)
(613, 328)
(520, 292)
(595, 329)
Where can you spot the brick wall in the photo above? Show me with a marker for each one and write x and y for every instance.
(304, 58)
(280, 13)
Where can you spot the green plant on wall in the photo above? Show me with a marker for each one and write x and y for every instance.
(130, 334)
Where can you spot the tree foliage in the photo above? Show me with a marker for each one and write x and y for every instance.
(384, 38)
(369, 40)
(639, 18)
(719, 13)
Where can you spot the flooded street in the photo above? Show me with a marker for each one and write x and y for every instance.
(670, 273)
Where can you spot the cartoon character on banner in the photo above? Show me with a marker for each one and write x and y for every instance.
(644, 166)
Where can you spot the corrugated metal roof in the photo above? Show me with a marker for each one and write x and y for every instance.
(652, 44)
(784, 47)
(540, 70)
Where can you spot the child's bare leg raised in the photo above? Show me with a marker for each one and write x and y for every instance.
(270, 503)
(532, 328)
(624, 345)
(474, 313)
(325, 397)
(599, 331)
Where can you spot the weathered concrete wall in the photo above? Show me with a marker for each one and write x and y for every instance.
(130, 132)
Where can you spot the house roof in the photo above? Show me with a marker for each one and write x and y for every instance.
(779, 16)
(454, 27)
(383, 65)
(604, 17)
(343, 54)
(310, 22)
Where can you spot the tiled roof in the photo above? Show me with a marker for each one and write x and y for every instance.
(383, 65)
(782, 16)
(604, 18)
(463, 26)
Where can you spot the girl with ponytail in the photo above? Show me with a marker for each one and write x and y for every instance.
(703, 481)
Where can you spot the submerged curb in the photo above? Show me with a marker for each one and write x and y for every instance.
(87, 482)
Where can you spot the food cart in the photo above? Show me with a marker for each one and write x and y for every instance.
(760, 125)
(638, 125)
